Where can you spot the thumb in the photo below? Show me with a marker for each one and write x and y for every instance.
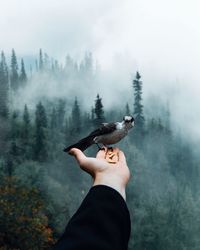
(81, 159)
(78, 154)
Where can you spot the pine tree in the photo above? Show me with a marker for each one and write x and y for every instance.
(160, 126)
(11, 158)
(41, 118)
(14, 125)
(86, 66)
(138, 107)
(92, 114)
(60, 113)
(69, 65)
(76, 118)
(41, 62)
(40, 145)
(26, 134)
(23, 76)
(26, 125)
(4, 88)
(99, 112)
(167, 117)
(26, 116)
(127, 109)
(36, 66)
(46, 63)
(53, 122)
(88, 62)
(87, 121)
(14, 77)
(67, 129)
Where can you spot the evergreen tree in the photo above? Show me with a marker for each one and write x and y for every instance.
(67, 129)
(26, 124)
(88, 62)
(53, 123)
(11, 158)
(138, 107)
(87, 121)
(46, 62)
(99, 112)
(167, 118)
(92, 114)
(36, 66)
(40, 145)
(26, 133)
(56, 66)
(160, 126)
(41, 118)
(31, 71)
(76, 118)
(69, 65)
(4, 89)
(14, 125)
(41, 62)
(23, 76)
(127, 109)
(14, 77)
(86, 66)
(26, 116)
(60, 113)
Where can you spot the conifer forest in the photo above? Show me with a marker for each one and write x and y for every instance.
(48, 105)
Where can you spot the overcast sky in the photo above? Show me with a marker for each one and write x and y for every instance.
(159, 38)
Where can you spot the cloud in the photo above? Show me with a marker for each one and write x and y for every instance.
(159, 38)
(57, 26)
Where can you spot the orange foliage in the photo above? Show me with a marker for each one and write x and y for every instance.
(23, 223)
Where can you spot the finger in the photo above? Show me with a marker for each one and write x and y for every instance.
(78, 154)
(101, 153)
(82, 160)
(122, 157)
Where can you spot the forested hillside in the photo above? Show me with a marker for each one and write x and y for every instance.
(41, 186)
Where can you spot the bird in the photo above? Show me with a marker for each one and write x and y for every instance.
(107, 134)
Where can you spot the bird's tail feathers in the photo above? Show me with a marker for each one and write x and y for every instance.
(82, 144)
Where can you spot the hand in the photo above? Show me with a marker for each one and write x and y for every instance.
(113, 175)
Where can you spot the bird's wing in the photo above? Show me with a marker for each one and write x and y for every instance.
(83, 144)
(105, 129)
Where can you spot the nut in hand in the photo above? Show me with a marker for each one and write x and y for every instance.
(112, 155)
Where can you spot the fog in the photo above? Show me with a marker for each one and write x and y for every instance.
(91, 47)
(160, 39)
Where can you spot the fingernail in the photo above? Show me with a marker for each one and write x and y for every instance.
(71, 152)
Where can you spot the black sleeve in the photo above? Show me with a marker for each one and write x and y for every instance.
(102, 222)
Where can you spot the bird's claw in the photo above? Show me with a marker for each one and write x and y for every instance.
(110, 148)
(112, 155)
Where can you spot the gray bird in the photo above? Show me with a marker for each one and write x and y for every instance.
(107, 134)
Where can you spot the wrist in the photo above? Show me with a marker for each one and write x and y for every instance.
(113, 182)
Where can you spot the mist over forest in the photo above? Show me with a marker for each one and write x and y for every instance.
(49, 105)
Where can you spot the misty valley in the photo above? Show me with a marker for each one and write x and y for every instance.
(46, 106)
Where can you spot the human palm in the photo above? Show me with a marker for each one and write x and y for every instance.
(104, 173)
